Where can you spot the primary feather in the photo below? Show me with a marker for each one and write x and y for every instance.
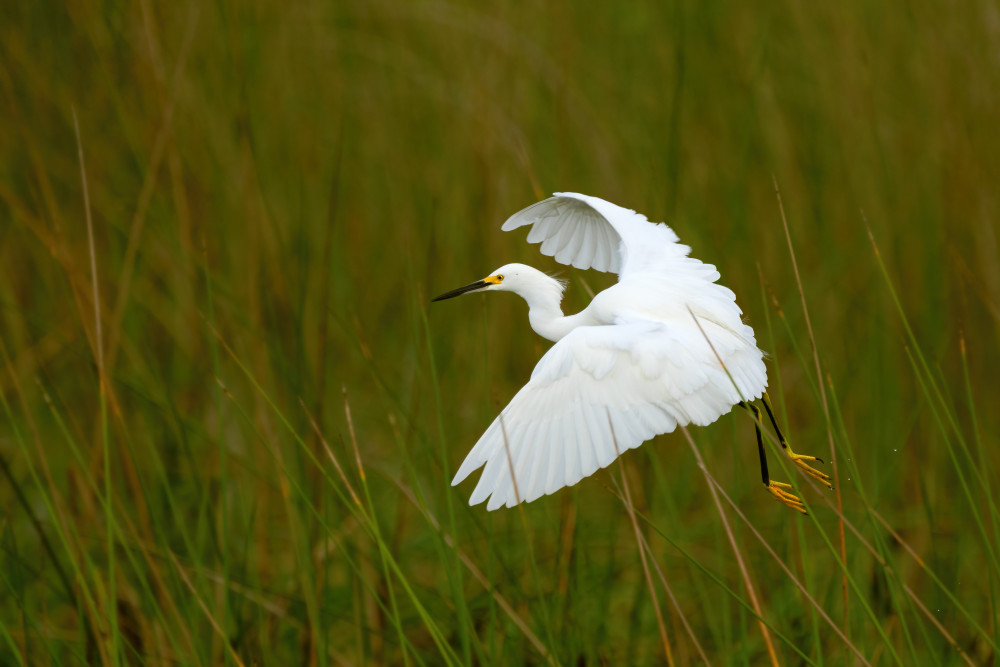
(632, 365)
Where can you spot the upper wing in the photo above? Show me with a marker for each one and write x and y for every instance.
(588, 232)
(600, 391)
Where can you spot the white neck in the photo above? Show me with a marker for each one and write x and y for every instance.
(546, 316)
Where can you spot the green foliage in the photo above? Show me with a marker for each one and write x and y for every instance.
(260, 474)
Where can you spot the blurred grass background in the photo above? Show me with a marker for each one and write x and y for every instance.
(277, 189)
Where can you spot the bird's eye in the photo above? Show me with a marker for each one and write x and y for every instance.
(500, 277)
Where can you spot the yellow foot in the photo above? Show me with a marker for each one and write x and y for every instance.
(778, 490)
(800, 461)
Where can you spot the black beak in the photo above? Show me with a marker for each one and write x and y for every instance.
(471, 287)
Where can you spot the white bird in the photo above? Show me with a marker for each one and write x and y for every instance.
(641, 359)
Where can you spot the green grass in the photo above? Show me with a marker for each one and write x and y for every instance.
(248, 461)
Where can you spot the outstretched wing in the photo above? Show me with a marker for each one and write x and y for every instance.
(588, 232)
(602, 390)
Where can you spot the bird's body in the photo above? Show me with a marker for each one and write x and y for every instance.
(641, 359)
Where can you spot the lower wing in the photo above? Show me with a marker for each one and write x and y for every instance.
(602, 390)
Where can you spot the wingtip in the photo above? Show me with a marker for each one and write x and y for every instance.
(464, 470)
(476, 500)
(519, 219)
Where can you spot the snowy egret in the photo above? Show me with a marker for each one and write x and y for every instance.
(665, 346)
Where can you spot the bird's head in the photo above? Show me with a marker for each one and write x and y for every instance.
(518, 278)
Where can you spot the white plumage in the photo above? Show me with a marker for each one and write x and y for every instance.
(631, 365)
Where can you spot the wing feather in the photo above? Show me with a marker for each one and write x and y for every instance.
(572, 439)
(540, 231)
(539, 475)
(556, 238)
(570, 252)
(610, 243)
(588, 247)
(597, 424)
(487, 481)
(557, 464)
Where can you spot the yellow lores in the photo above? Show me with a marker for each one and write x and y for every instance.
(665, 346)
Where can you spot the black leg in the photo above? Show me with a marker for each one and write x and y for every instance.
(774, 422)
(779, 490)
(781, 438)
(760, 442)
(799, 460)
